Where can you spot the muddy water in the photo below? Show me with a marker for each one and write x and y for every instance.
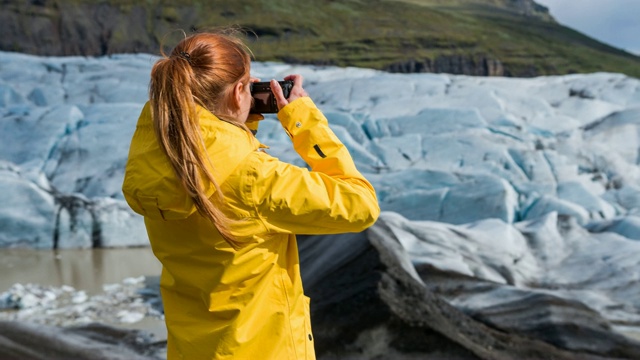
(85, 269)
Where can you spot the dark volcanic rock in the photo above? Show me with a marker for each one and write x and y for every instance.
(564, 323)
(368, 302)
(89, 342)
(530, 8)
(451, 64)
(76, 28)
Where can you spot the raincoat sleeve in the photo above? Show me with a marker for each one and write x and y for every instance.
(331, 198)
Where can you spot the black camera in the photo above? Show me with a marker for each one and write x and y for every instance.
(264, 102)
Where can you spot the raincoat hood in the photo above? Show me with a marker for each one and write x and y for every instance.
(151, 187)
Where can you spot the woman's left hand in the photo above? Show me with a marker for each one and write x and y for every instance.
(296, 92)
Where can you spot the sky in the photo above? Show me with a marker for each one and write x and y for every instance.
(615, 22)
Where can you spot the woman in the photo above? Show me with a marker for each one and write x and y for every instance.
(221, 213)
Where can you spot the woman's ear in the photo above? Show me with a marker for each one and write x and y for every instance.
(237, 95)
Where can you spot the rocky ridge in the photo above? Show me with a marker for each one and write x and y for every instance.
(459, 37)
(369, 302)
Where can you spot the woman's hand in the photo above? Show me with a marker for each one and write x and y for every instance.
(296, 92)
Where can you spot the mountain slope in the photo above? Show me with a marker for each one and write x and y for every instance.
(475, 37)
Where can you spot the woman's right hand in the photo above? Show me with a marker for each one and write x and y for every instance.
(296, 92)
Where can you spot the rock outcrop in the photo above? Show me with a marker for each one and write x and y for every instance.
(369, 302)
(64, 28)
(87, 342)
(566, 324)
(531, 8)
(451, 64)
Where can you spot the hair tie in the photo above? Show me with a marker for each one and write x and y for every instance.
(185, 55)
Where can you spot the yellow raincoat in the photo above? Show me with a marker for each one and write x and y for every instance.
(222, 303)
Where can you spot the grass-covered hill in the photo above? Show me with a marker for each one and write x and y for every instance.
(476, 37)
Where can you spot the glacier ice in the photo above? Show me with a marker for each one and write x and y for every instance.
(527, 183)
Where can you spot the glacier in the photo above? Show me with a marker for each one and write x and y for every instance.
(532, 184)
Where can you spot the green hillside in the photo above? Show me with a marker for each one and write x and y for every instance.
(476, 37)
(379, 34)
